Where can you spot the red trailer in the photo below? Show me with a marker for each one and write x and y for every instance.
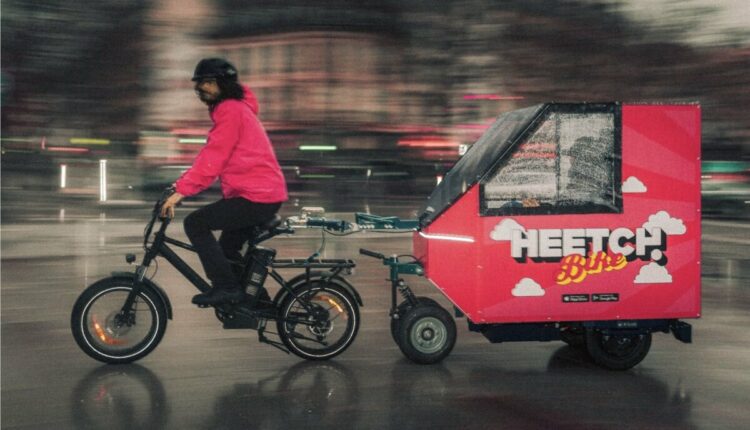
(578, 222)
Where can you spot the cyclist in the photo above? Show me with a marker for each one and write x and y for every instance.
(239, 153)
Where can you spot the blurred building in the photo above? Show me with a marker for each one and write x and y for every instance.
(336, 92)
(346, 89)
(174, 39)
(340, 88)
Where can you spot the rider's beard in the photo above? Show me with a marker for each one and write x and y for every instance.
(205, 97)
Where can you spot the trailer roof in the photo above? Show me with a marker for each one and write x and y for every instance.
(479, 159)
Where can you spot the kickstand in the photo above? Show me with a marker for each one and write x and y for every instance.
(263, 339)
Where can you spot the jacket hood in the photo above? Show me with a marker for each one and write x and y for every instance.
(250, 100)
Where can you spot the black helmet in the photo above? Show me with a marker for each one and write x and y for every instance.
(216, 68)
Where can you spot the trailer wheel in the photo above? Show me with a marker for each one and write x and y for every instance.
(426, 334)
(401, 311)
(617, 351)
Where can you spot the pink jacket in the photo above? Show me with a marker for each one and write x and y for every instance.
(239, 153)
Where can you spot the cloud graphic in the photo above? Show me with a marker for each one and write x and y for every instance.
(652, 273)
(633, 185)
(504, 229)
(526, 287)
(668, 225)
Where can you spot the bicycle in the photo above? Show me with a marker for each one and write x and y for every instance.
(122, 318)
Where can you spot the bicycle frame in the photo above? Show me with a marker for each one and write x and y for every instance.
(159, 248)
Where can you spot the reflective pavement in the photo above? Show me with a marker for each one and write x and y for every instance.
(203, 377)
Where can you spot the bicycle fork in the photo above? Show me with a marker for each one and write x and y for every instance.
(140, 270)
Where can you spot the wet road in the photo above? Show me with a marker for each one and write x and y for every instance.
(201, 376)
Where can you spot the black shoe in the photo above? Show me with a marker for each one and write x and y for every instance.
(198, 299)
(217, 296)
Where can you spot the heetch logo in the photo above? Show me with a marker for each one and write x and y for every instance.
(553, 244)
(583, 252)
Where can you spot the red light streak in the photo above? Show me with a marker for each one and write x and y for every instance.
(67, 149)
(490, 97)
(429, 142)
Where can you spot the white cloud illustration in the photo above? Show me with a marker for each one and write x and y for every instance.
(504, 229)
(526, 287)
(633, 185)
(668, 225)
(652, 273)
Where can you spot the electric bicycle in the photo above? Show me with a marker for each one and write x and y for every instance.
(122, 318)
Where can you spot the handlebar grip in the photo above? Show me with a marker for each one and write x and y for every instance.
(371, 253)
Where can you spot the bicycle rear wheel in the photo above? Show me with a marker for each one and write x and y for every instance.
(105, 333)
(320, 323)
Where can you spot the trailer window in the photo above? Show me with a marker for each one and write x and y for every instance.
(569, 164)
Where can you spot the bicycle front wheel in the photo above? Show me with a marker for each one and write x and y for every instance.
(320, 323)
(106, 333)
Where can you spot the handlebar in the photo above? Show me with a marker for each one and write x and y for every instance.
(155, 214)
(371, 253)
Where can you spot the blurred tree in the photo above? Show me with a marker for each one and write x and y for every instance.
(589, 51)
(75, 66)
(82, 65)
(269, 16)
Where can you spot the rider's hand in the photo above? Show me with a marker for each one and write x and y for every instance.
(167, 209)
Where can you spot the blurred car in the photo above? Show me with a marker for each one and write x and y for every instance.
(725, 189)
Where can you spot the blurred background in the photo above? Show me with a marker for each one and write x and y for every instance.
(374, 98)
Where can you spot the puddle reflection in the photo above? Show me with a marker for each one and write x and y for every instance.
(571, 393)
(120, 397)
(574, 392)
(422, 397)
(308, 395)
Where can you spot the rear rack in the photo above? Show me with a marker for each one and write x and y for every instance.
(318, 263)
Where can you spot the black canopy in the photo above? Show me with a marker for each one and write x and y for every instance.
(601, 193)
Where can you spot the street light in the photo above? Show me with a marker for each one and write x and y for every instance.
(102, 180)
(63, 175)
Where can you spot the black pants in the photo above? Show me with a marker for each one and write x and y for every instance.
(235, 218)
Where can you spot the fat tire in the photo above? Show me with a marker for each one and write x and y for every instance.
(350, 333)
(82, 333)
(600, 348)
(413, 320)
